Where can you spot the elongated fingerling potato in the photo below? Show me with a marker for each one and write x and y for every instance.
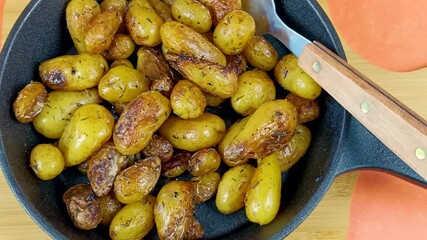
(103, 28)
(192, 14)
(73, 72)
(30, 102)
(138, 122)
(162, 9)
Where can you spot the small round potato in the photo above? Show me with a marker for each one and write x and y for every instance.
(110, 206)
(30, 102)
(134, 220)
(187, 100)
(204, 161)
(121, 47)
(192, 14)
(308, 109)
(204, 187)
(294, 79)
(260, 53)
(177, 165)
(234, 32)
(159, 147)
(46, 161)
(115, 5)
(121, 62)
(255, 88)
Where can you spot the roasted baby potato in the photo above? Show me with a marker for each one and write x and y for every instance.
(168, 2)
(103, 167)
(231, 133)
(187, 100)
(30, 102)
(179, 39)
(79, 14)
(109, 208)
(214, 101)
(162, 9)
(122, 84)
(46, 161)
(230, 196)
(143, 23)
(294, 79)
(192, 14)
(59, 107)
(308, 109)
(103, 27)
(204, 162)
(260, 53)
(89, 128)
(237, 63)
(204, 187)
(234, 32)
(121, 62)
(262, 199)
(138, 122)
(209, 76)
(73, 72)
(174, 209)
(177, 165)
(193, 134)
(255, 88)
(159, 147)
(136, 182)
(83, 206)
(134, 220)
(195, 230)
(121, 47)
(220, 8)
(266, 130)
(114, 5)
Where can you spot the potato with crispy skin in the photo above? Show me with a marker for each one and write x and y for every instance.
(187, 100)
(137, 181)
(204, 162)
(162, 9)
(177, 165)
(193, 14)
(220, 8)
(159, 147)
(260, 53)
(138, 122)
(195, 230)
(103, 27)
(204, 187)
(109, 208)
(237, 63)
(30, 102)
(121, 47)
(308, 109)
(115, 5)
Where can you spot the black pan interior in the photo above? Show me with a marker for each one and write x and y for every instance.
(41, 34)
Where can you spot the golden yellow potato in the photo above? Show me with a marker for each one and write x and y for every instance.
(134, 220)
(179, 39)
(114, 5)
(230, 196)
(210, 77)
(138, 122)
(195, 230)
(192, 14)
(121, 47)
(204, 187)
(308, 109)
(214, 101)
(137, 181)
(110, 206)
(168, 2)
(174, 209)
(162, 9)
(266, 130)
(177, 165)
(120, 62)
(204, 162)
(103, 27)
(73, 72)
(220, 8)
(255, 88)
(30, 102)
(143, 23)
(79, 14)
(294, 79)
(262, 200)
(89, 128)
(231, 133)
(260, 53)
(46, 161)
(59, 107)
(193, 134)
(234, 32)
(187, 100)
(122, 84)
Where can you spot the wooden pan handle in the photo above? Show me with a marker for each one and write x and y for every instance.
(394, 124)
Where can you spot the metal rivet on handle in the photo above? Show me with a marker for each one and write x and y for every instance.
(365, 107)
(420, 153)
(316, 66)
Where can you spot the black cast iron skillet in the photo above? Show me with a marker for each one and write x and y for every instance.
(339, 143)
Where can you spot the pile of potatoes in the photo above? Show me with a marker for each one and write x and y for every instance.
(127, 127)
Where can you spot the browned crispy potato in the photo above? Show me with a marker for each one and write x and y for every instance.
(30, 102)
(177, 165)
(195, 230)
(204, 161)
(187, 100)
(204, 187)
(174, 209)
(162, 9)
(109, 208)
(237, 63)
(159, 147)
(138, 122)
(103, 28)
(136, 182)
(180, 39)
(220, 8)
(82, 167)
(103, 167)
(260, 53)
(193, 14)
(168, 2)
(83, 206)
(308, 109)
(114, 5)
(121, 47)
